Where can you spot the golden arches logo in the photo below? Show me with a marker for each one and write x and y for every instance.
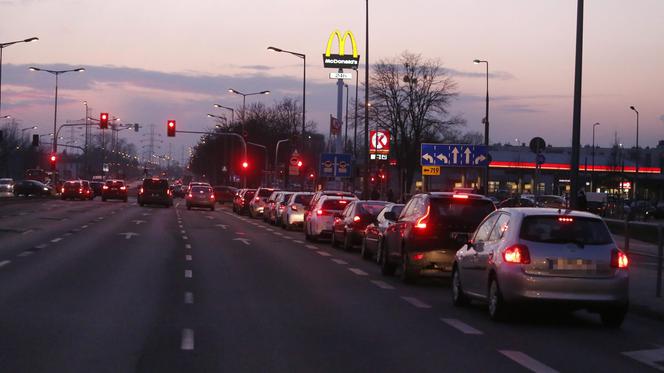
(342, 43)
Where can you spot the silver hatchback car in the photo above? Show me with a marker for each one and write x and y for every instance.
(543, 255)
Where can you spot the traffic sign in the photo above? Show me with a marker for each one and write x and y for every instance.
(431, 170)
(379, 141)
(295, 158)
(537, 144)
(341, 76)
(335, 165)
(454, 155)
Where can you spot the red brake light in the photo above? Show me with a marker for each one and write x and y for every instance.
(565, 219)
(105, 187)
(63, 189)
(418, 256)
(123, 188)
(80, 190)
(190, 195)
(319, 212)
(462, 196)
(422, 222)
(517, 254)
(356, 218)
(619, 259)
(293, 207)
(343, 202)
(211, 196)
(140, 191)
(257, 199)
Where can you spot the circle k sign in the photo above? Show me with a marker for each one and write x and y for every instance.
(380, 141)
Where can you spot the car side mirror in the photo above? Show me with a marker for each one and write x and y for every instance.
(390, 215)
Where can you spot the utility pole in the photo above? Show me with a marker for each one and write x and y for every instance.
(576, 120)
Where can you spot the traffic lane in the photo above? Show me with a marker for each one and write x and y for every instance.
(52, 222)
(537, 331)
(275, 304)
(93, 301)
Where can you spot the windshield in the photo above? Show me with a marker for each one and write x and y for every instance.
(555, 229)
(201, 189)
(265, 192)
(155, 184)
(334, 204)
(465, 211)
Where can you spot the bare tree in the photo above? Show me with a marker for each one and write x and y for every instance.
(410, 97)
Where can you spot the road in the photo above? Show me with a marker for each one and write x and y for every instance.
(113, 287)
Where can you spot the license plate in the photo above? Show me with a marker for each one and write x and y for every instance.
(565, 264)
(155, 195)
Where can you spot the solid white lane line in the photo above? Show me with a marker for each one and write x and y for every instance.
(4, 263)
(187, 258)
(188, 298)
(382, 284)
(312, 247)
(187, 340)
(461, 326)
(358, 271)
(56, 239)
(416, 302)
(277, 233)
(339, 261)
(527, 361)
(652, 358)
(187, 246)
(323, 253)
(42, 246)
(188, 273)
(25, 253)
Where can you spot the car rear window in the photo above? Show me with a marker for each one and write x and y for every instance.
(397, 210)
(466, 211)
(565, 229)
(72, 184)
(265, 192)
(248, 194)
(201, 189)
(335, 204)
(114, 183)
(303, 199)
(155, 184)
(286, 197)
(372, 208)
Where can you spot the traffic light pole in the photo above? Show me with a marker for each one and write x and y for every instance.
(266, 162)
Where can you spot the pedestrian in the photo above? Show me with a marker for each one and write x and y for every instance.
(581, 201)
(390, 195)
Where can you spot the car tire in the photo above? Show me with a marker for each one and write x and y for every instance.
(405, 274)
(459, 298)
(347, 245)
(333, 240)
(386, 268)
(498, 310)
(364, 252)
(613, 317)
(379, 250)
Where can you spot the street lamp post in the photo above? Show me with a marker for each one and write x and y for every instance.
(3, 46)
(218, 117)
(87, 136)
(304, 83)
(486, 123)
(227, 108)
(365, 184)
(592, 174)
(638, 154)
(244, 102)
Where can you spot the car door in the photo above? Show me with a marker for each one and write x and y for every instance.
(468, 259)
(485, 257)
(346, 218)
(393, 233)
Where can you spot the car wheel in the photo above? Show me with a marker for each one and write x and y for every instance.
(348, 245)
(459, 299)
(334, 238)
(364, 252)
(613, 317)
(386, 268)
(406, 274)
(497, 306)
(379, 250)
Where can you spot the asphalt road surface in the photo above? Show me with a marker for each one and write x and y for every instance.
(113, 287)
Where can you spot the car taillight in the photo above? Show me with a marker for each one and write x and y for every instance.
(123, 188)
(63, 189)
(80, 190)
(356, 218)
(169, 192)
(257, 199)
(211, 196)
(319, 212)
(619, 259)
(517, 254)
(461, 196)
(293, 207)
(140, 191)
(190, 195)
(418, 256)
(105, 187)
(422, 222)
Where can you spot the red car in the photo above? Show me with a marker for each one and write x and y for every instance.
(349, 226)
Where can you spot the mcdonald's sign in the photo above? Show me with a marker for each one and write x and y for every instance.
(341, 60)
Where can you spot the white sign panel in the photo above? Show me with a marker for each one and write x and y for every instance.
(341, 76)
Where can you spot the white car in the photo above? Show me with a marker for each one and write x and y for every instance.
(293, 213)
(319, 221)
(545, 256)
(6, 187)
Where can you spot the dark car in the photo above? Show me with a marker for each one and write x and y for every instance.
(373, 235)
(114, 189)
(87, 189)
(223, 193)
(73, 189)
(517, 202)
(201, 196)
(237, 198)
(32, 188)
(178, 191)
(430, 230)
(350, 224)
(97, 188)
(243, 201)
(155, 191)
(641, 210)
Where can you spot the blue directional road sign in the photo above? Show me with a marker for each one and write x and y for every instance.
(335, 165)
(454, 155)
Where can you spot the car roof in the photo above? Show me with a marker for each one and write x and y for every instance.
(547, 211)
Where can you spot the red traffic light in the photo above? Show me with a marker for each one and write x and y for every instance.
(103, 120)
(53, 158)
(245, 164)
(170, 128)
(299, 163)
(311, 175)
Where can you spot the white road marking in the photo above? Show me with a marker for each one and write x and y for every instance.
(128, 235)
(323, 253)
(270, 230)
(187, 246)
(25, 253)
(183, 231)
(187, 340)
(67, 234)
(358, 271)
(382, 284)
(84, 226)
(138, 222)
(277, 233)
(146, 214)
(312, 247)
(4, 263)
(222, 226)
(244, 240)
(27, 231)
(188, 273)
(100, 218)
(187, 258)
(56, 239)
(185, 237)
(527, 361)
(210, 217)
(42, 246)
(188, 298)
(180, 226)
(461, 326)
(652, 358)
(339, 261)
(297, 241)
(416, 302)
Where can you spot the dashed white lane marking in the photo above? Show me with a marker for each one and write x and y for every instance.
(269, 230)
(652, 358)
(312, 247)
(187, 340)
(527, 361)
(188, 273)
(185, 237)
(67, 234)
(27, 231)
(180, 226)
(42, 246)
(56, 239)
(358, 271)
(188, 298)
(84, 226)
(100, 218)
(187, 258)
(25, 253)
(187, 246)
(277, 233)
(4, 263)
(297, 241)
(461, 326)
(382, 284)
(210, 217)
(323, 253)
(183, 231)
(416, 302)
(339, 261)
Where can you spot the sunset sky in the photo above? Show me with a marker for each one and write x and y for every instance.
(148, 61)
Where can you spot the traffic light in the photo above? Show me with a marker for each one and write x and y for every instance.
(35, 140)
(103, 121)
(170, 128)
(53, 159)
(245, 165)
(299, 164)
(312, 175)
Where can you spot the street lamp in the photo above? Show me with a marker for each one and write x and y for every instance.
(6, 117)
(638, 155)
(244, 101)
(28, 128)
(227, 108)
(304, 83)
(486, 122)
(3, 46)
(592, 175)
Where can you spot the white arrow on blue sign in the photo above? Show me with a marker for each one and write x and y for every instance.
(453, 155)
